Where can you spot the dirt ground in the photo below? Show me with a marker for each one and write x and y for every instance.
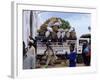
(57, 64)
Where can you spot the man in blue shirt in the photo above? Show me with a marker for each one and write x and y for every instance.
(72, 57)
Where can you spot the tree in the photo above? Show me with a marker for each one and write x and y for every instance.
(65, 24)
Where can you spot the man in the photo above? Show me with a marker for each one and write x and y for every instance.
(72, 57)
(29, 61)
(87, 53)
(24, 50)
(50, 55)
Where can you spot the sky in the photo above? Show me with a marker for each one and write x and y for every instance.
(80, 21)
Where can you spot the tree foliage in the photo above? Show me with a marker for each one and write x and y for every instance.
(64, 25)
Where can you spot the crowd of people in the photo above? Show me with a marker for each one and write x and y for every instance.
(30, 55)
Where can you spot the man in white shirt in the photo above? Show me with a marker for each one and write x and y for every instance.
(30, 61)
